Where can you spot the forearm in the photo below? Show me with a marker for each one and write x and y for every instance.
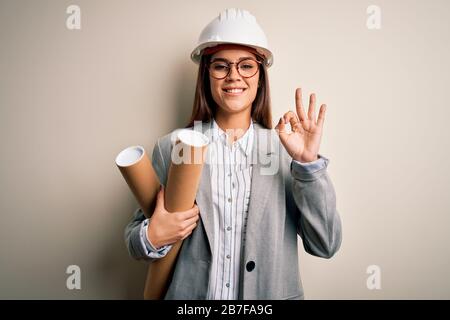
(319, 223)
(138, 245)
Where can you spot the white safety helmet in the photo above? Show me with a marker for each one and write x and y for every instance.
(234, 26)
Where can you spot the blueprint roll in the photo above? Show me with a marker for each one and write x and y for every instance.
(187, 160)
(137, 170)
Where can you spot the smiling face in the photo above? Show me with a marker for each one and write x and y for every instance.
(241, 98)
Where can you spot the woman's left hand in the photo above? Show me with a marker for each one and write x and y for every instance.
(303, 142)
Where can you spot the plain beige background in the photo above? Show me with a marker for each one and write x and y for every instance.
(70, 100)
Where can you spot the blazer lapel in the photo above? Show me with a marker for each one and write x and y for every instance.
(205, 204)
(204, 194)
(262, 181)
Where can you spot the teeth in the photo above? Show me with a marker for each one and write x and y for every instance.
(234, 90)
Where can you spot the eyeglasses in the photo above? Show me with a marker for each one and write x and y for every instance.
(246, 68)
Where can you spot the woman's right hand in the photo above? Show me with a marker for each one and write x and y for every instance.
(169, 227)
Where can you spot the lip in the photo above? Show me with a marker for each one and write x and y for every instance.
(234, 93)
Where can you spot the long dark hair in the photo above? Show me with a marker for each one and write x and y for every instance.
(205, 107)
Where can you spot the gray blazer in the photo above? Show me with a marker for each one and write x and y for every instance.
(284, 203)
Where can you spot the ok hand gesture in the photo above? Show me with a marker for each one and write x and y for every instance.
(303, 142)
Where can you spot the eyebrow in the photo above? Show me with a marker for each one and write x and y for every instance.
(226, 60)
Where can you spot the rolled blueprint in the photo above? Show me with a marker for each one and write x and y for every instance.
(187, 160)
(140, 176)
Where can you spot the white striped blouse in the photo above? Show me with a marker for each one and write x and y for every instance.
(231, 172)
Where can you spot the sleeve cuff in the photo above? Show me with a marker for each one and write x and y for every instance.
(150, 249)
(306, 170)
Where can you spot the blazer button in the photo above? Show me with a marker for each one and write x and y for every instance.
(250, 266)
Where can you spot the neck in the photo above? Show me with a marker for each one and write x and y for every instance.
(234, 124)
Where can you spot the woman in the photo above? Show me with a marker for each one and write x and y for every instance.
(259, 189)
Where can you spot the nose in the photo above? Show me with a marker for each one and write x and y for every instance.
(233, 74)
